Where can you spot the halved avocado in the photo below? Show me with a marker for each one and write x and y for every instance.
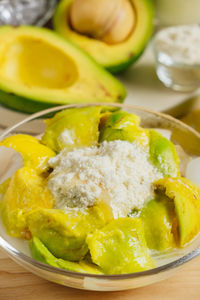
(117, 57)
(39, 69)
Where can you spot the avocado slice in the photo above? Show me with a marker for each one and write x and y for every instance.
(117, 57)
(39, 69)
(121, 125)
(163, 154)
(41, 253)
(73, 127)
(23, 192)
(35, 155)
(64, 234)
(186, 197)
(158, 217)
(120, 247)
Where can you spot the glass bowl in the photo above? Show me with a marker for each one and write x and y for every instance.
(174, 71)
(26, 12)
(183, 136)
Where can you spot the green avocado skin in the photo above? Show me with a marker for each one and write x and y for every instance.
(22, 104)
(29, 106)
(119, 69)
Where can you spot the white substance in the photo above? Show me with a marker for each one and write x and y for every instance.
(66, 137)
(180, 43)
(118, 173)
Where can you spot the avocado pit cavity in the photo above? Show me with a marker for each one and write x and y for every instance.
(39, 64)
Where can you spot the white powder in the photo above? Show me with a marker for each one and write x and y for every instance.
(180, 43)
(118, 173)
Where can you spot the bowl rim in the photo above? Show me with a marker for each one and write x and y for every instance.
(19, 256)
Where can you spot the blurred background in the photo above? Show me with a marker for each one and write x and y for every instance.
(144, 85)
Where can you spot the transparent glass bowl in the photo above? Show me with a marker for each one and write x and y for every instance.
(28, 12)
(177, 75)
(17, 249)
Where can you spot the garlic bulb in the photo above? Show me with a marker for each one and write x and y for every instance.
(110, 21)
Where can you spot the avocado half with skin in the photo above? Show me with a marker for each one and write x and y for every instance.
(39, 69)
(115, 57)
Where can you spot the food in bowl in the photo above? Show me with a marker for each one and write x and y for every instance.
(99, 194)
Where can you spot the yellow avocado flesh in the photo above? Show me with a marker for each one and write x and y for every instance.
(35, 155)
(38, 65)
(26, 191)
(120, 247)
(186, 197)
(76, 127)
(109, 56)
(64, 234)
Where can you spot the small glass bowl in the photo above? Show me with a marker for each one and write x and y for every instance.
(20, 12)
(171, 262)
(177, 75)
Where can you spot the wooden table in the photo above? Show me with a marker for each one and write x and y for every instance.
(18, 284)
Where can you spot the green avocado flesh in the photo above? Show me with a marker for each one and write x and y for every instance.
(39, 69)
(163, 154)
(115, 57)
(65, 234)
(158, 216)
(41, 253)
(121, 125)
(91, 240)
(120, 247)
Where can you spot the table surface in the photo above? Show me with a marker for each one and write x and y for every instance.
(18, 284)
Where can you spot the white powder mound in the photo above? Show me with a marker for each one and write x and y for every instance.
(181, 43)
(118, 173)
